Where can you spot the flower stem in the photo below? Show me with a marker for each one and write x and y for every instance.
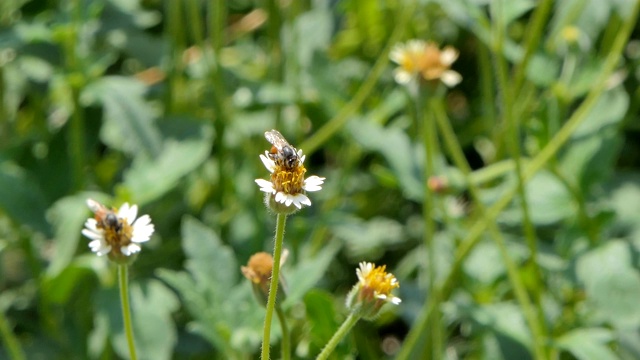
(344, 329)
(273, 287)
(9, 339)
(123, 271)
(286, 342)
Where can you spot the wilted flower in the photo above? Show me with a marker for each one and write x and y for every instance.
(258, 271)
(372, 290)
(418, 58)
(287, 185)
(116, 232)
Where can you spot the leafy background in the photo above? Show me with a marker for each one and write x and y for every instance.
(164, 104)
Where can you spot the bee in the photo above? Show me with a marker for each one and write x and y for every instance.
(281, 152)
(106, 218)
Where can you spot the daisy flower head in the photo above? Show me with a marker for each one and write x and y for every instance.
(116, 232)
(287, 187)
(258, 271)
(373, 290)
(420, 60)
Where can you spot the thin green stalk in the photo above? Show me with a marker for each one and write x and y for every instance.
(10, 340)
(513, 146)
(273, 286)
(429, 138)
(531, 315)
(217, 17)
(551, 149)
(344, 329)
(123, 280)
(336, 123)
(533, 36)
(76, 141)
(286, 337)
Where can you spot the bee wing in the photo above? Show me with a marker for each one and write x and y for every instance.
(276, 139)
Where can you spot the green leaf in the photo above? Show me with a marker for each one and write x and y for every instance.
(611, 283)
(211, 263)
(369, 239)
(588, 344)
(548, 199)
(396, 147)
(128, 118)
(21, 198)
(321, 318)
(505, 319)
(308, 272)
(152, 306)
(148, 179)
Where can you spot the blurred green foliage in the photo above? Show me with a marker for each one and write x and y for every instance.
(164, 104)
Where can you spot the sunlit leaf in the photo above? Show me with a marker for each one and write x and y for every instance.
(588, 344)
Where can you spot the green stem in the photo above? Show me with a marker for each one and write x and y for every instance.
(336, 123)
(536, 320)
(286, 337)
(344, 329)
(551, 149)
(126, 309)
(10, 340)
(273, 286)
(429, 138)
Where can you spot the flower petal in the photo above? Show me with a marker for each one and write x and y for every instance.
(451, 78)
(265, 186)
(268, 163)
(312, 183)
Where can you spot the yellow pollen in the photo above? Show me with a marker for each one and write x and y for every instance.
(288, 181)
(379, 282)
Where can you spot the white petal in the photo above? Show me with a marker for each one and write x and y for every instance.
(268, 163)
(91, 224)
(395, 300)
(100, 247)
(265, 186)
(301, 199)
(281, 197)
(142, 229)
(448, 56)
(312, 183)
(128, 213)
(397, 54)
(402, 77)
(130, 249)
(451, 78)
(93, 235)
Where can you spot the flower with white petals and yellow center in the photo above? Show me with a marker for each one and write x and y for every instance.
(116, 232)
(372, 290)
(418, 58)
(287, 184)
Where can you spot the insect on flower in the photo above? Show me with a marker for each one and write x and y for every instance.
(106, 218)
(281, 152)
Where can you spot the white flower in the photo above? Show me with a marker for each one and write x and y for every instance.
(378, 282)
(418, 58)
(116, 233)
(289, 185)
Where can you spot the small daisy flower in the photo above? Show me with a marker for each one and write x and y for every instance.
(287, 185)
(418, 58)
(258, 271)
(372, 290)
(116, 232)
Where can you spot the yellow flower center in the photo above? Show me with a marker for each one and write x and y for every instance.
(431, 65)
(288, 181)
(378, 282)
(116, 235)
